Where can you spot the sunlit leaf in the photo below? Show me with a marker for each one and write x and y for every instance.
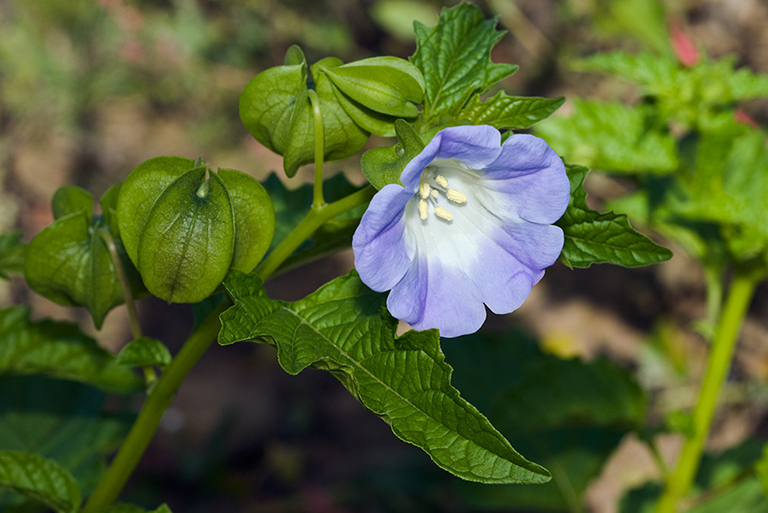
(454, 57)
(405, 380)
(611, 137)
(509, 112)
(592, 237)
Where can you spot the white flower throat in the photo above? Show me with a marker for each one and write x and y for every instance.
(431, 185)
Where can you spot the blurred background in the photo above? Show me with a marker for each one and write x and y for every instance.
(89, 89)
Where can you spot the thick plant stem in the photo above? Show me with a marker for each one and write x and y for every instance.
(314, 100)
(719, 362)
(147, 422)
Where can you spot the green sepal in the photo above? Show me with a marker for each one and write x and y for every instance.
(184, 232)
(382, 166)
(344, 329)
(39, 478)
(592, 237)
(71, 199)
(254, 218)
(69, 262)
(186, 246)
(144, 351)
(275, 109)
(139, 193)
(386, 85)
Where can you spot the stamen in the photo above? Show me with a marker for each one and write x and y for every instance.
(455, 196)
(442, 213)
(424, 190)
(441, 180)
(424, 209)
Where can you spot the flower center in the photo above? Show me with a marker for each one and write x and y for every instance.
(431, 186)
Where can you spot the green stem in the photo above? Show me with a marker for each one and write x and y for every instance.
(160, 396)
(133, 318)
(314, 100)
(151, 413)
(313, 220)
(721, 354)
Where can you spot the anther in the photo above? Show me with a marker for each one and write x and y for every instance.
(424, 190)
(442, 213)
(424, 209)
(455, 196)
(441, 180)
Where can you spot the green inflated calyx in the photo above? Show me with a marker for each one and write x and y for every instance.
(185, 227)
(70, 261)
(356, 99)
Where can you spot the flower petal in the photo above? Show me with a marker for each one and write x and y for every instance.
(533, 176)
(381, 255)
(475, 146)
(432, 295)
(513, 261)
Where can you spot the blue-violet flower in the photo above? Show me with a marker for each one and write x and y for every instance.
(471, 224)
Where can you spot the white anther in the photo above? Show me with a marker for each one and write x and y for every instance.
(455, 196)
(424, 190)
(435, 194)
(423, 209)
(441, 180)
(442, 213)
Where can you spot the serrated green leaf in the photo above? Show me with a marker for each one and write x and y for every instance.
(509, 112)
(39, 478)
(454, 58)
(644, 68)
(11, 254)
(612, 137)
(576, 413)
(144, 351)
(595, 238)
(728, 186)
(343, 329)
(64, 421)
(384, 165)
(59, 350)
